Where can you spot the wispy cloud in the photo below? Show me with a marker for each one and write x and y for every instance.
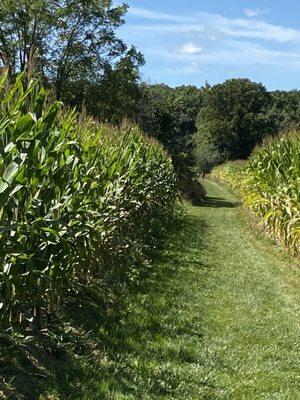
(233, 53)
(259, 30)
(149, 14)
(139, 29)
(238, 27)
(254, 12)
(192, 68)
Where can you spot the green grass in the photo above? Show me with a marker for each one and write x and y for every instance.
(220, 320)
(218, 317)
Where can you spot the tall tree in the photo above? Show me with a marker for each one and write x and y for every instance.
(114, 97)
(65, 41)
(169, 114)
(84, 41)
(285, 109)
(25, 29)
(233, 119)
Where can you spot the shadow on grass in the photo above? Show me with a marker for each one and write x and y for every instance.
(105, 346)
(217, 202)
(153, 340)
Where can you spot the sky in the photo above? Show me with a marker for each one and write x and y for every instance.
(195, 41)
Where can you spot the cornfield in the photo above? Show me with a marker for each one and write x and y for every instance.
(232, 173)
(270, 186)
(77, 201)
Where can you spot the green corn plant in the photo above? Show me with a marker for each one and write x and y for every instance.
(269, 185)
(274, 175)
(78, 201)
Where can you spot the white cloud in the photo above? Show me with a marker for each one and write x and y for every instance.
(190, 49)
(253, 12)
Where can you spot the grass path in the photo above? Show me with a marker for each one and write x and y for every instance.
(220, 318)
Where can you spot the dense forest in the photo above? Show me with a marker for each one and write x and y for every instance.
(97, 169)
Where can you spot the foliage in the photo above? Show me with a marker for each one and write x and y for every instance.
(114, 98)
(24, 34)
(73, 47)
(270, 187)
(169, 114)
(232, 120)
(77, 201)
(274, 181)
(285, 109)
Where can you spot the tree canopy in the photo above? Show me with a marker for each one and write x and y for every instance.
(233, 119)
(73, 46)
(169, 114)
(285, 109)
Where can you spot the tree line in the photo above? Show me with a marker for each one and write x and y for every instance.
(74, 49)
(203, 127)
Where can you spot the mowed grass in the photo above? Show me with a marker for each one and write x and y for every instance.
(219, 319)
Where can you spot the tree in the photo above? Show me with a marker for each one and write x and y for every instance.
(84, 41)
(65, 41)
(25, 30)
(114, 97)
(169, 114)
(233, 119)
(285, 109)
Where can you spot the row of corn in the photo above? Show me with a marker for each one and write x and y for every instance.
(78, 201)
(269, 185)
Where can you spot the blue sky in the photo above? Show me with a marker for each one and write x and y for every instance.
(193, 41)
